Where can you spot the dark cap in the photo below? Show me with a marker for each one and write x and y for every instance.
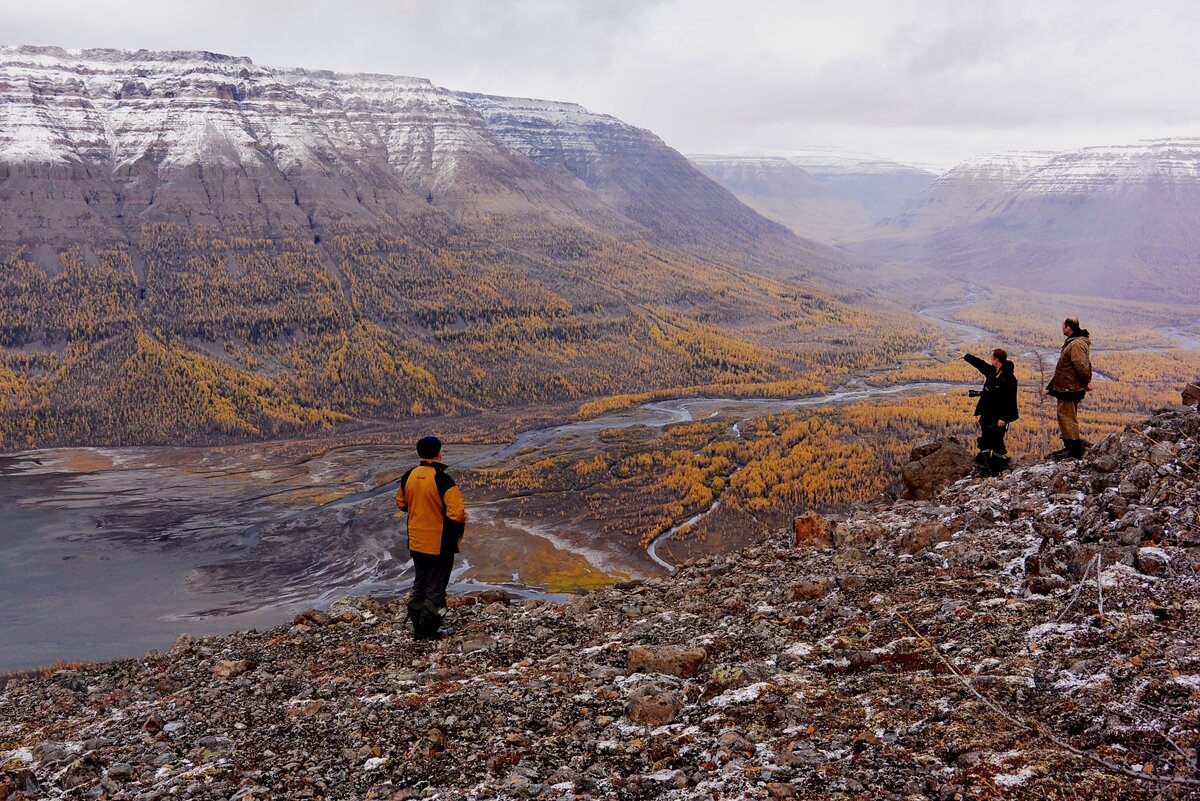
(429, 447)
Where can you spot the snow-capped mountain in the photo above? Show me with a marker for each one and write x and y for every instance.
(1121, 221)
(969, 188)
(879, 185)
(93, 142)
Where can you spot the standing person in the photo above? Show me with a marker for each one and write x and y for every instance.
(996, 409)
(1071, 383)
(437, 518)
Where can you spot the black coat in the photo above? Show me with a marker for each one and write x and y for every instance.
(999, 398)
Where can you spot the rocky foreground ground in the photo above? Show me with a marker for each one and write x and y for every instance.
(1029, 636)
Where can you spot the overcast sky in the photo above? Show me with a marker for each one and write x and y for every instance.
(926, 80)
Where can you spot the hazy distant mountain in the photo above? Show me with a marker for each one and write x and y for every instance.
(971, 188)
(826, 194)
(778, 189)
(879, 185)
(1120, 221)
(195, 246)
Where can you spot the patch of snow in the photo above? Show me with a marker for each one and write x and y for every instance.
(22, 755)
(1014, 779)
(743, 695)
(799, 649)
(1120, 574)
(1069, 681)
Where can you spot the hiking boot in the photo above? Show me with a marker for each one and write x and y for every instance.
(429, 635)
(1064, 452)
(1077, 448)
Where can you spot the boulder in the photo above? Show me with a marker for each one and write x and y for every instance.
(780, 791)
(312, 617)
(934, 465)
(813, 530)
(1153, 561)
(19, 784)
(811, 590)
(1191, 394)
(232, 668)
(650, 705)
(923, 535)
(669, 659)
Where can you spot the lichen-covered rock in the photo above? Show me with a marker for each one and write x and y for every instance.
(653, 705)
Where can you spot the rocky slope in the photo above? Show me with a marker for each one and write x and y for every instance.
(1115, 221)
(1028, 637)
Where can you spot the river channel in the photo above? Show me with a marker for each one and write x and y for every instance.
(109, 552)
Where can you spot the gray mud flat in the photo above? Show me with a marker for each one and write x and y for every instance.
(110, 553)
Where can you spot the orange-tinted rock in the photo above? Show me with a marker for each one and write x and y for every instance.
(922, 536)
(813, 530)
(232, 668)
(653, 706)
(669, 659)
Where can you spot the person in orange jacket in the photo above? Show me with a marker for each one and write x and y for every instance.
(437, 519)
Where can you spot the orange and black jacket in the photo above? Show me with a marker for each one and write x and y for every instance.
(436, 511)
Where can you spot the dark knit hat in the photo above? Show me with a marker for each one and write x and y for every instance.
(429, 447)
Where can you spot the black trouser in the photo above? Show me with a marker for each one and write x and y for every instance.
(991, 436)
(432, 576)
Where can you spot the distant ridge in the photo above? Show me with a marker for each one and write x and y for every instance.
(1118, 221)
(823, 193)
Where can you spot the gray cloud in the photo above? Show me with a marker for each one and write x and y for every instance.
(929, 79)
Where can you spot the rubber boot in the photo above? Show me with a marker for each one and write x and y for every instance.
(443, 630)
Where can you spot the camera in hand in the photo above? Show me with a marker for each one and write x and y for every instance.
(974, 393)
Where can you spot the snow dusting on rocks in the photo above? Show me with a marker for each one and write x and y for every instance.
(1029, 636)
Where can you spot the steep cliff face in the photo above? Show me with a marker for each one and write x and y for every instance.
(879, 185)
(100, 140)
(1032, 636)
(631, 168)
(970, 189)
(1119, 221)
(97, 141)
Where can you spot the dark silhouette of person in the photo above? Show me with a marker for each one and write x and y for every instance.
(996, 408)
(437, 519)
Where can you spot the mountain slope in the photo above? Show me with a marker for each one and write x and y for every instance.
(879, 185)
(1120, 221)
(314, 232)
